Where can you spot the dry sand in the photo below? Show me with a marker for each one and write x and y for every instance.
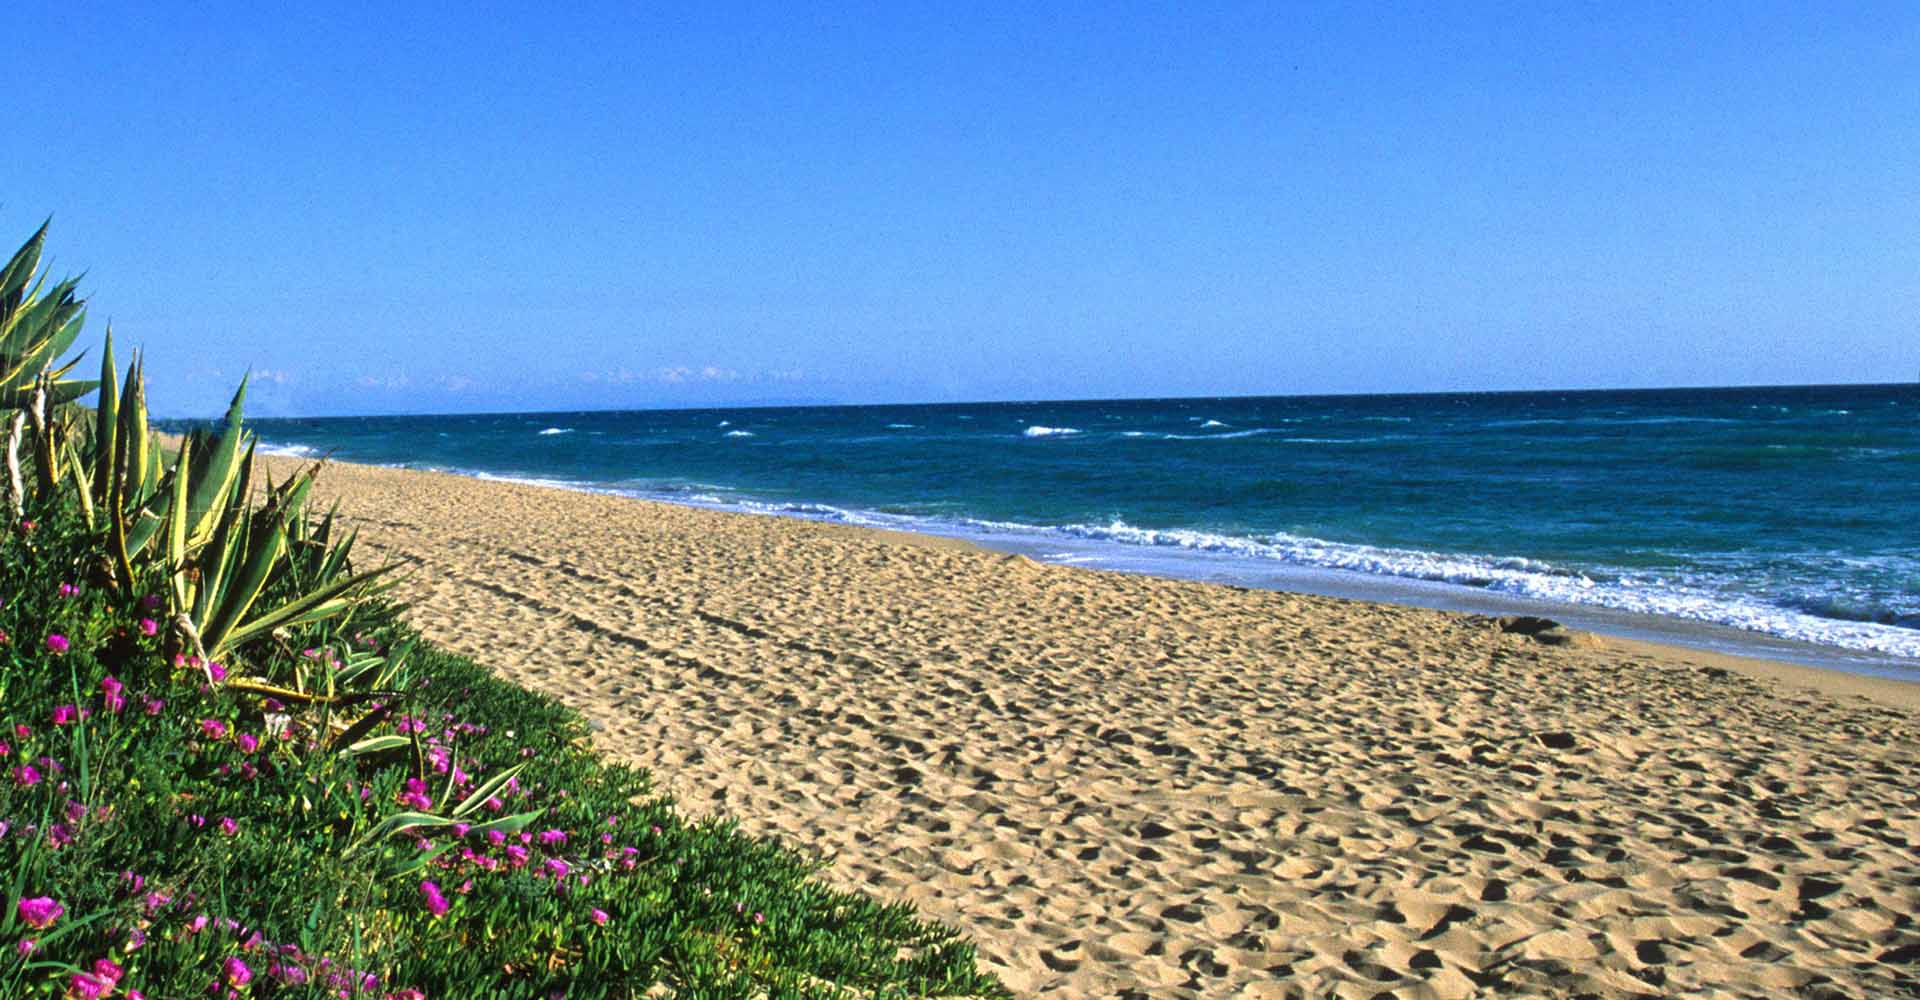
(1130, 786)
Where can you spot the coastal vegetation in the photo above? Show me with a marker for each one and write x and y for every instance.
(228, 766)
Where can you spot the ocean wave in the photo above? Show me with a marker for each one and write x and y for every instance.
(1213, 423)
(1513, 576)
(289, 450)
(1037, 430)
(1358, 440)
(556, 430)
(900, 427)
(1229, 436)
(739, 434)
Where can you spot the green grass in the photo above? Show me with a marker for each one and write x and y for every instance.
(214, 840)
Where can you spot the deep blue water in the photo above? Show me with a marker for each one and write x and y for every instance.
(1793, 512)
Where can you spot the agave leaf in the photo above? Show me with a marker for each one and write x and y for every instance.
(376, 745)
(177, 528)
(19, 271)
(133, 434)
(234, 519)
(106, 423)
(299, 609)
(507, 824)
(364, 725)
(265, 544)
(76, 469)
(487, 789)
(220, 470)
(396, 823)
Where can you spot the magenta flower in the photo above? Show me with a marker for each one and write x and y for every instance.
(57, 643)
(600, 917)
(248, 742)
(214, 728)
(149, 627)
(552, 837)
(496, 837)
(416, 795)
(65, 715)
(112, 693)
(436, 903)
(25, 776)
(556, 867)
(516, 855)
(40, 912)
(25, 947)
(153, 706)
(237, 972)
(216, 671)
(228, 826)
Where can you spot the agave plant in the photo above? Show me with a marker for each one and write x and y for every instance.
(37, 325)
(197, 523)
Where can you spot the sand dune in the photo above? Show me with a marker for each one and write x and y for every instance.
(1138, 787)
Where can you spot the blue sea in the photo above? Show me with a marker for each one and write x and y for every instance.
(1778, 521)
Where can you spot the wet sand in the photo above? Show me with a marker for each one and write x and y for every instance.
(1122, 785)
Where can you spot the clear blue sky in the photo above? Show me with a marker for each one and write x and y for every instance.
(442, 209)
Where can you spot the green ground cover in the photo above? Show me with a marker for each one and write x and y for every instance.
(228, 767)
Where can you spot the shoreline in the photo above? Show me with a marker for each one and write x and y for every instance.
(1664, 630)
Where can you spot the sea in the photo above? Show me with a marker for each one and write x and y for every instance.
(1778, 521)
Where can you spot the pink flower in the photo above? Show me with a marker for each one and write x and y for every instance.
(248, 742)
(57, 643)
(214, 728)
(25, 947)
(149, 627)
(416, 795)
(153, 706)
(516, 855)
(40, 912)
(25, 776)
(21, 730)
(111, 694)
(600, 917)
(216, 671)
(64, 715)
(556, 867)
(228, 826)
(238, 974)
(552, 837)
(436, 903)
(496, 837)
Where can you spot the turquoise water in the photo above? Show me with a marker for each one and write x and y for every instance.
(1783, 512)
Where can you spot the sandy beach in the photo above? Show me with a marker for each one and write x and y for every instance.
(1128, 786)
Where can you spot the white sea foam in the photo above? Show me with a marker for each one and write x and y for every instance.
(556, 430)
(1038, 431)
(1213, 423)
(900, 427)
(724, 423)
(1229, 436)
(292, 450)
(739, 434)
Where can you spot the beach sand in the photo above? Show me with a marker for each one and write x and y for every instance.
(1120, 785)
